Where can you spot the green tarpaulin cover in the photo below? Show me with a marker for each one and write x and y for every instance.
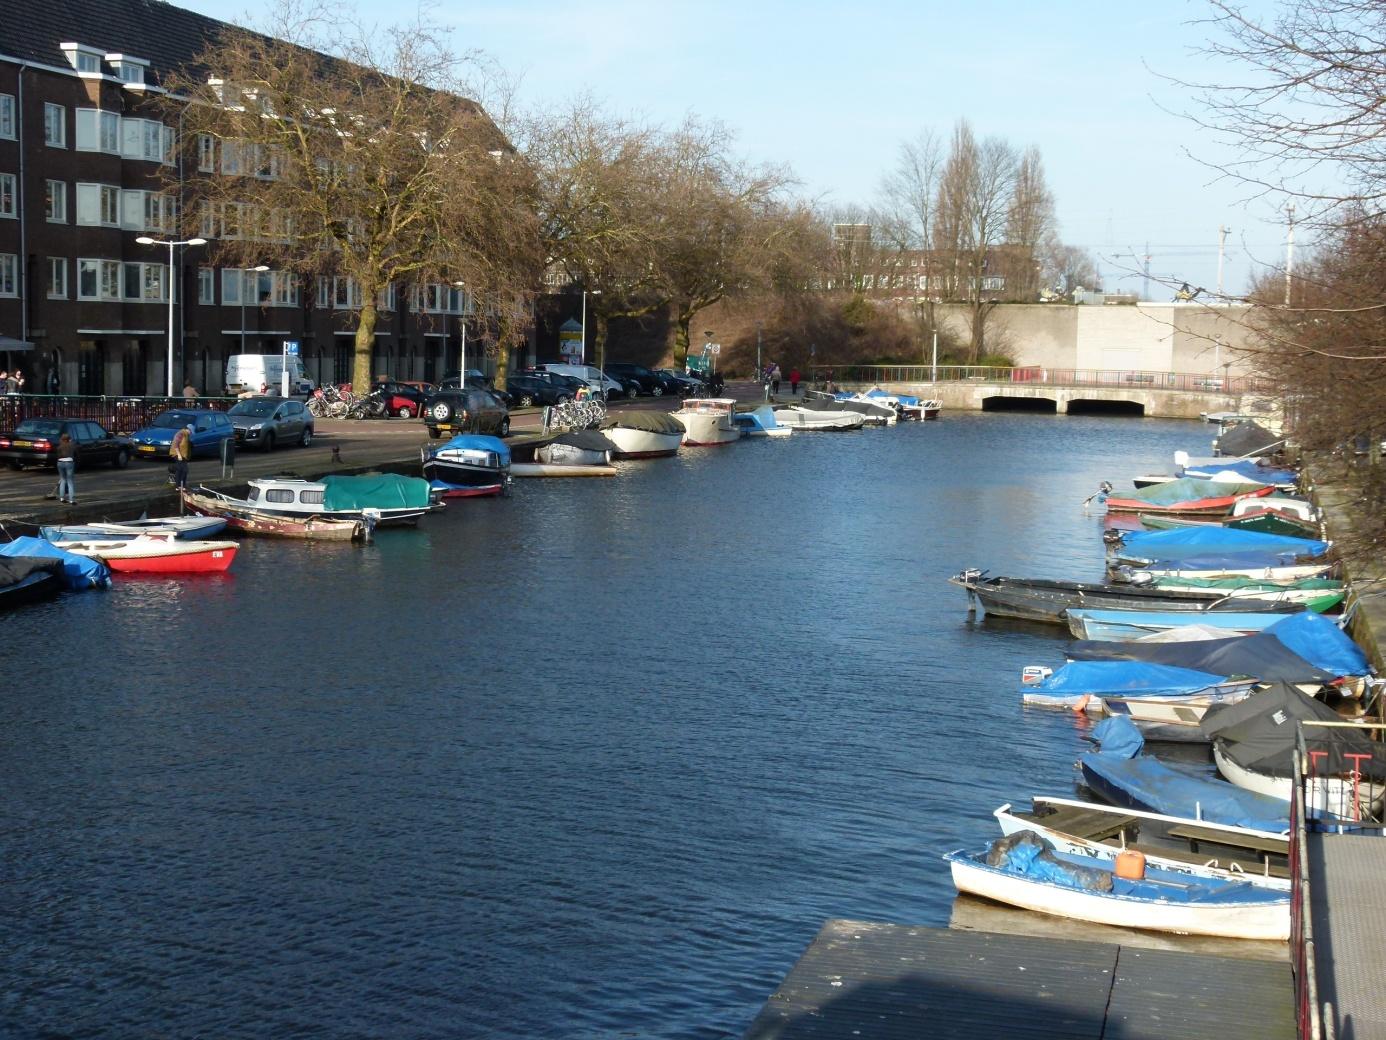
(375, 491)
(1188, 490)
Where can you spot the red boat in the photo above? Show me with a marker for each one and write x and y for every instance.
(1185, 497)
(153, 555)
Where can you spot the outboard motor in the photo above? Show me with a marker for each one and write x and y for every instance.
(1111, 537)
(1100, 495)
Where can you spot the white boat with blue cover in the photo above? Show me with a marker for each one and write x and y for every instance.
(760, 422)
(1120, 625)
(1081, 685)
(1026, 871)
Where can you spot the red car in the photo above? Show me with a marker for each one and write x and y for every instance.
(403, 399)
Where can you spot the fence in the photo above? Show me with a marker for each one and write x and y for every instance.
(1128, 379)
(117, 414)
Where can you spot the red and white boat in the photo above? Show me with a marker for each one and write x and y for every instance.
(152, 554)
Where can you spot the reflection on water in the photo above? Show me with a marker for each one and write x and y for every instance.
(594, 759)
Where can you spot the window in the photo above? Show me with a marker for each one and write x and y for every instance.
(994, 283)
(206, 285)
(83, 59)
(9, 274)
(127, 69)
(98, 131)
(385, 299)
(346, 294)
(143, 281)
(146, 139)
(55, 201)
(98, 279)
(312, 498)
(54, 125)
(278, 288)
(7, 195)
(278, 495)
(231, 158)
(324, 292)
(231, 283)
(7, 115)
(206, 153)
(98, 205)
(57, 278)
(147, 211)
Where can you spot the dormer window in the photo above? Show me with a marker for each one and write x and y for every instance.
(126, 68)
(86, 60)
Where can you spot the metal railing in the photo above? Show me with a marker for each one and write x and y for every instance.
(1040, 375)
(117, 414)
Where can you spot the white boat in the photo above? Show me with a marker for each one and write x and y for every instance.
(760, 422)
(1116, 829)
(1166, 718)
(643, 435)
(295, 497)
(542, 469)
(1161, 901)
(1335, 796)
(800, 418)
(1289, 572)
(189, 527)
(560, 454)
(708, 421)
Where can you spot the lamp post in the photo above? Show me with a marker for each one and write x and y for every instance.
(758, 328)
(594, 292)
(245, 271)
(145, 240)
(462, 321)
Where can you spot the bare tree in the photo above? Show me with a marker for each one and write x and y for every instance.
(909, 195)
(371, 167)
(1029, 224)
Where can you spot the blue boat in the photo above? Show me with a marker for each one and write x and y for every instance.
(468, 465)
(1206, 541)
(760, 422)
(1117, 625)
(1080, 684)
(191, 528)
(79, 572)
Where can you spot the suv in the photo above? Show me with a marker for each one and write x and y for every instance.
(642, 377)
(472, 410)
(530, 390)
(35, 441)
(263, 422)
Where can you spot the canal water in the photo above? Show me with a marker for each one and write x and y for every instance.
(595, 760)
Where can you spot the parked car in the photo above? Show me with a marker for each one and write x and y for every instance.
(475, 377)
(687, 384)
(209, 429)
(569, 384)
(263, 422)
(671, 383)
(403, 399)
(599, 383)
(531, 390)
(472, 410)
(34, 442)
(646, 382)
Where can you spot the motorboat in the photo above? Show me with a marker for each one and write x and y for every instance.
(643, 435)
(1081, 685)
(708, 421)
(190, 527)
(157, 554)
(1185, 497)
(28, 579)
(568, 453)
(760, 422)
(906, 406)
(800, 418)
(467, 465)
(244, 520)
(76, 572)
(874, 413)
(1317, 594)
(386, 498)
(1028, 871)
(1117, 625)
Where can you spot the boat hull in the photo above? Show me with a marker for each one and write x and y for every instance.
(32, 588)
(707, 429)
(265, 525)
(1331, 795)
(158, 556)
(643, 444)
(462, 474)
(542, 469)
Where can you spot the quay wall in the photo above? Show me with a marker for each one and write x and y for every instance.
(972, 396)
(1367, 574)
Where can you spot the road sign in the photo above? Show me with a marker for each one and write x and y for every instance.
(713, 348)
(291, 347)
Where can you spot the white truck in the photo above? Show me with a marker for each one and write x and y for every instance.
(247, 373)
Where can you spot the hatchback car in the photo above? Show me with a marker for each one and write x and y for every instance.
(645, 381)
(209, 429)
(685, 384)
(530, 390)
(403, 399)
(466, 411)
(35, 443)
(263, 422)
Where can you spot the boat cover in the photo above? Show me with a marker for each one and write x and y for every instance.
(1259, 734)
(1031, 855)
(1260, 655)
(477, 442)
(651, 422)
(79, 572)
(1249, 563)
(1252, 470)
(1182, 792)
(1127, 678)
(589, 440)
(1184, 634)
(1321, 642)
(1118, 737)
(905, 399)
(15, 569)
(1223, 619)
(1316, 584)
(375, 491)
(1185, 489)
(1214, 539)
(1247, 438)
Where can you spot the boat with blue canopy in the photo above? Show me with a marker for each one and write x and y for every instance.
(1185, 496)
(1206, 540)
(760, 422)
(469, 464)
(78, 572)
(1080, 685)
(1134, 624)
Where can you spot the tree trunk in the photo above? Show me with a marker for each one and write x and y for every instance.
(502, 352)
(365, 346)
(599, 338)
(681, 337)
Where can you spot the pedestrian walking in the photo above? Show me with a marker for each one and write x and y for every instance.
(17, 377)
(181, 451)
(775, 380)
(67, 466)
(55, 380)
(793, 380)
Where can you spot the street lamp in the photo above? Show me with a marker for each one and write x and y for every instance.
(145, 240)
(245, 271)
(594, 292)
(462, 321)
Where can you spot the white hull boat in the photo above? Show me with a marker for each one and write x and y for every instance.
(708, 421)
(1161, 902)
(812, 419)
(1332, 795)
(643, 444)
(1293, 572)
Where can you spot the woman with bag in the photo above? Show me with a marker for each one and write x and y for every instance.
(181, 451)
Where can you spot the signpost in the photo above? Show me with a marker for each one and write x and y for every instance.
(290, 350)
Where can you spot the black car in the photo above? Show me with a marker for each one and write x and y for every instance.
(569, 385)
(679, 382)
(34, 442)
(638, 376)
(402, 399)
(530, 390)
(466, 411)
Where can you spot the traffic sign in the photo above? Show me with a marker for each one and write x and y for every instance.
(291, 347)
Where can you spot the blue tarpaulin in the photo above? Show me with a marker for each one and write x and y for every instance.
(1322, 643)
(79, 572)
(1243, 468)
(479, 442)
(1147, 783)
(1128, 678)
(1212, 539)
(1118, 737)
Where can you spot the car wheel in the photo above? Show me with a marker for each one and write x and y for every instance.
(657, 391)
(307, 437)
(505, 427)
(121, 460)
(269, 441)
(405, 412)
(526, 400)
(442, 411)
(435, 434)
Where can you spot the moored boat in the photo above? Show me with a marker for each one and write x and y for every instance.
(1082, 685)
(385, 498)
(1185, 497)
(874, 413)
(153, 554)
(28, 579)
(760, 422)
(1118, 625)
(245, 520)
(467, 465)
(799, 418)
(194, 528)
(708, 421)
(643, 435)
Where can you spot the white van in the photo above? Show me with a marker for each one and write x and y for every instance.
(599, 381)
(252, 371)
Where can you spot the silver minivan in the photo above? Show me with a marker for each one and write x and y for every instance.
(594, 377)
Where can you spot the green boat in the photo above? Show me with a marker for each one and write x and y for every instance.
(1316, 594)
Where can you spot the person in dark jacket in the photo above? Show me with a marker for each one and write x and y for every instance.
(67, 466)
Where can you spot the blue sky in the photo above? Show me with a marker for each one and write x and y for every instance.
(831, 89)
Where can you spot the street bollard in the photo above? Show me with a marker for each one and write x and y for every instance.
(228, 458)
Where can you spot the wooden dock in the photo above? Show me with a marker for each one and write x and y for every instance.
(1348, 913)
(882, 981)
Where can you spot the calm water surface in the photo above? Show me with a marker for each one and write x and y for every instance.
(596, 760)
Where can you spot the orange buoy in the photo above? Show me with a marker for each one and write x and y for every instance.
(1130, 864)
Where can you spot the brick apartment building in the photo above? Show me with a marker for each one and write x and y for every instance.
(84, 165)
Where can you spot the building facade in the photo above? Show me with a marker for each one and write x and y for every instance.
(89, 163)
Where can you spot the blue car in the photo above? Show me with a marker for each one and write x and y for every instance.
(209, 429)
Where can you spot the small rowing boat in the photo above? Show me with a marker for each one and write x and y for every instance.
(154, 554)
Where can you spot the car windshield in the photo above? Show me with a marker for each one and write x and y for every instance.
(259, 409)
(173, 420)
(35, 428)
